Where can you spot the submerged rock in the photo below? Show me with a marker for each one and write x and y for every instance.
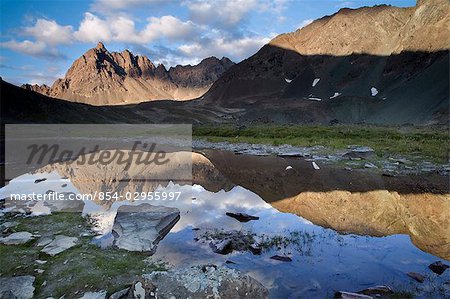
(17, 287)
(17, 238)
(281, 258)
(208, 281)
(416, 276)
(242, 217)
(222, 247)
(377, 290)
(59, 244)
(438, 267)
(140, 228)
(349, 295)
(229, 241)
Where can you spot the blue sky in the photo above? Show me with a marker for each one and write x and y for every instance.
(39, 39)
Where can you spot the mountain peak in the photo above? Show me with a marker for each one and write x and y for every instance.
(100, 46)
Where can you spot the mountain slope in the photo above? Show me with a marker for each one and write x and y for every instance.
(100, 77)
(379, 64)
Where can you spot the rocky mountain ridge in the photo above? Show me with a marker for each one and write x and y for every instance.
(100, 77)
(380, 64)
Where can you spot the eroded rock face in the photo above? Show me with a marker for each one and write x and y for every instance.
(17, 287)
(296, 76)
(208, 281)
(100, 77)
(44, 89)
(140, 228)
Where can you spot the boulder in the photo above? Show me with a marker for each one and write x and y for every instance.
(59, 244)
(17, 287)
(17, 238)
(207, 281)
(140, 228)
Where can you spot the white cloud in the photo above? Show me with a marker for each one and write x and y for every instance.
(236, 49)
(220, 12)
(168, 27)
(50, 32)
(93, 29)
(26, 47)
(305, 23)
(122, 29)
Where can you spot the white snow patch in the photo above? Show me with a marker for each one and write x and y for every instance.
(336, 94)
(315, 82)
(374, 91)
(288, 80)
(315, 99)
(316, 167)
(289, 167)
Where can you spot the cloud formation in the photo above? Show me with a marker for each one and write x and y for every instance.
(49, 32)
(212, 28)
(122, 29)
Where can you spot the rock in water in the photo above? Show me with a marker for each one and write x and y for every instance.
(281, 258)
(241, 217)
(17, 238)
(349, 295)
(207, 281)
(438, 267)
(222, 247)
(17, 287)
(140, 228)
(377, 291)
(416, 276)
(59, 244)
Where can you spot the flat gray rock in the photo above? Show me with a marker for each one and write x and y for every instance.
(208, 281)
(140, 228)
(17, 287)
(17, 238)
(59, 244)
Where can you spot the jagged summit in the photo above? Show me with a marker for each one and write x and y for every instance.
(100, 46)
(101, 77)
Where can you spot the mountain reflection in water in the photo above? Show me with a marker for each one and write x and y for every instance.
(323, 260)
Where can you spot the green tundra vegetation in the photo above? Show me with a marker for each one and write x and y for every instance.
(431, 143)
